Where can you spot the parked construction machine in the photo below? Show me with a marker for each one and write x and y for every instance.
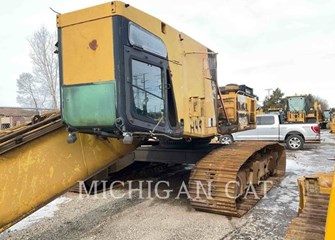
(126, 77)
(326, 119)
(240, 105)
(303, 109)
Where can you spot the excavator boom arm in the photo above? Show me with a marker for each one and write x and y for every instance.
(44, 166)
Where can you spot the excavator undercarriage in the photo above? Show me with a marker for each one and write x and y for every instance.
(235, 177)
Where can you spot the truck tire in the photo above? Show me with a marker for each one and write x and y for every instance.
(294, 142)
(226, 139)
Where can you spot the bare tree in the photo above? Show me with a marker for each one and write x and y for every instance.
(45, 64)
(29, 91)
(323, 102)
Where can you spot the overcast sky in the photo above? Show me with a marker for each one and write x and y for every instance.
(264, 44)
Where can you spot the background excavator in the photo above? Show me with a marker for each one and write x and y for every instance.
(126, 77)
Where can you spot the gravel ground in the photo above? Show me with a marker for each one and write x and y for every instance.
(105, 217)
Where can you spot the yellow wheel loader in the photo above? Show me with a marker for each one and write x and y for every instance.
(303, 109)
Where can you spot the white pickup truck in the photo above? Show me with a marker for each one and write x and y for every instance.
(270, 127)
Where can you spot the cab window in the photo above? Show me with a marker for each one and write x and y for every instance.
(147, 90)
(265, 120)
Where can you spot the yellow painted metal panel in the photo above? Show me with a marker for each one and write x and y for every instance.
(85, 15)
(296, 117)
(330, 225)
(332, 127)
(39, 171)
(320, 181)
(332, 124)
(87, 52)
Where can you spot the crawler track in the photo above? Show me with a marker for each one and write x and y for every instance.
(218, 171)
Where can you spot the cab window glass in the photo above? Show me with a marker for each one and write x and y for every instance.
(147, 90)
(265, 120)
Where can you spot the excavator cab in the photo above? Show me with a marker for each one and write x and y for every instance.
(116, 82)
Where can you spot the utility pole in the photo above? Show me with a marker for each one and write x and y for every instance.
(268, 90)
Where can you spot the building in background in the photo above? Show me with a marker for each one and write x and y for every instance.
(11, 117)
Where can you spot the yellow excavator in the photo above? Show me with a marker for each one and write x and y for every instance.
(126, 77)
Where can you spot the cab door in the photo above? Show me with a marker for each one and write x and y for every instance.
(267, 128)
